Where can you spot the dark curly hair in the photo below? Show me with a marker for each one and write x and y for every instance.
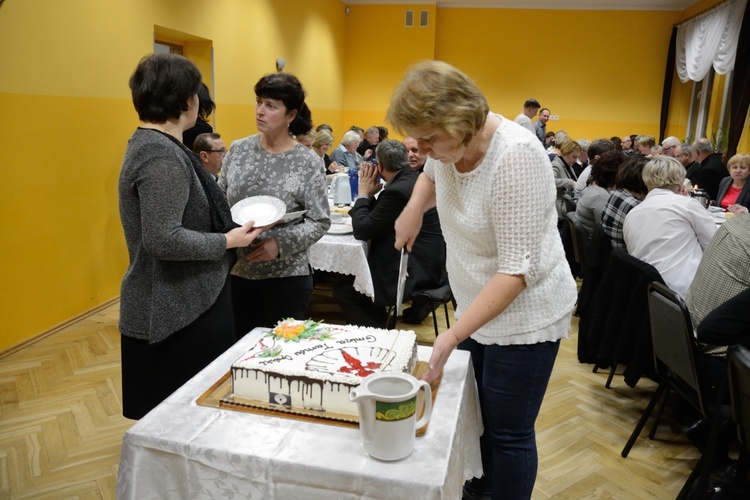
(630, 175)
(206, 105)
(162, 85)
(604, 171)
(286, 88)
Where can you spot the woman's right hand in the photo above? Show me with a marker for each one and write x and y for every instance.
(444, 345)
(242, 236)
(407, 227)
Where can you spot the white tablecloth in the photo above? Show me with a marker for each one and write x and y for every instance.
(344, 254)
(182, 450)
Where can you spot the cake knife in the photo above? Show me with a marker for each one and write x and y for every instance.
(401, 280)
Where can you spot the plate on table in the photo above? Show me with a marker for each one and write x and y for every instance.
(715, 209)
(340, 229)
(264, 210)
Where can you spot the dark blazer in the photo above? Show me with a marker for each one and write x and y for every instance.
(374, 219)
(710, 174)
(744, 197)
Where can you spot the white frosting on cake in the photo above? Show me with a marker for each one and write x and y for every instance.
(318, 373)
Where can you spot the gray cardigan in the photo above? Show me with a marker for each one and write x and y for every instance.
(177, 266)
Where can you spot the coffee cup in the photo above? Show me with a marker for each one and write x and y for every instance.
(387, 406)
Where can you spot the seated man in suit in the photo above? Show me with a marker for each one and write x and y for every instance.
(711, 170)
(211, 150)
(373, 219)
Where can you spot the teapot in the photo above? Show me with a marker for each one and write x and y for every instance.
(341, 189)
(387, 407)
(701, 197)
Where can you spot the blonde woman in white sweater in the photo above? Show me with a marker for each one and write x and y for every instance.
(493, 187)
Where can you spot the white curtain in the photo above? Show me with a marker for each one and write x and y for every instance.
(709, 40)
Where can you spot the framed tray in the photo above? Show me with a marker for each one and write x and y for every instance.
(219, 396)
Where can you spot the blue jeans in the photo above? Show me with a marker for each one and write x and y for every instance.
(511, 381)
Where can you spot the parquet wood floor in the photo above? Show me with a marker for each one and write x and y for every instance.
(61, 428)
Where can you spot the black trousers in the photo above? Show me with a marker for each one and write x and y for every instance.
(358, 308)
(151, 372)
(268, 301)
(729, 323)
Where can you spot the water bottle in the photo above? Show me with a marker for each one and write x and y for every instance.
(354, 181)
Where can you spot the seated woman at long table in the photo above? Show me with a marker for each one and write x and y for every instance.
(668, 230)
(734, 191)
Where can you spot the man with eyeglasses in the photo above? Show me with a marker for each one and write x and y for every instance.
(669, 145)
(211, 150)
(684, 154)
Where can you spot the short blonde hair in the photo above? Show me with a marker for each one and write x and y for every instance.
(569, 146)
(663, 172)
(738, 158)
(434, 94)
(646, 140)
(322, 137)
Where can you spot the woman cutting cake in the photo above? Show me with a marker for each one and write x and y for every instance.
(492, 183)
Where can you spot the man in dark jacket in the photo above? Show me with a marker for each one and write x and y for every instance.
(373, 219)
(712, 170)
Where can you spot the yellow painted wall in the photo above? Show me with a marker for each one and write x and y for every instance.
(573, 62)
(379, 51)
(65, 116)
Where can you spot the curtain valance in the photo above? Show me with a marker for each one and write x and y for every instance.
(709, 40)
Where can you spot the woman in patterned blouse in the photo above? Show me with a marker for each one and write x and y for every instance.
(272, 278)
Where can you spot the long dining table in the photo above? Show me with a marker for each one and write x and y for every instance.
(183, 449)
(343, 254)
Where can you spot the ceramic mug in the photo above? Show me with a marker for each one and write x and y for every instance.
(387, 406)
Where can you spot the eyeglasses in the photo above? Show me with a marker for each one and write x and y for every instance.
(220, 151)
(670, 147)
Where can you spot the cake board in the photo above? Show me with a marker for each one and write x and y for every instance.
(219, 396)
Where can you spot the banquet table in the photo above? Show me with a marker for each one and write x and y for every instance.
(344, 254)
(185, 450)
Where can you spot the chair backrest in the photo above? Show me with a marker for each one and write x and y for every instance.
(738, 362)
(674, 343)
(570, 204)
(579, 237)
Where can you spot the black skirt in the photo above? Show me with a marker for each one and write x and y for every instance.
(151, 372)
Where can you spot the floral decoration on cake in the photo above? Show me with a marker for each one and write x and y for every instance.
(292, 330)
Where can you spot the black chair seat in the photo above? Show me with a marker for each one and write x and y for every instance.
(436, 297)
(442, 295)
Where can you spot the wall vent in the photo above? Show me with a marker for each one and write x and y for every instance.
(409, 19)
(423, 18)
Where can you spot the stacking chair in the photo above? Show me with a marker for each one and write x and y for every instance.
(675, 352)
(570, 204)
(579, 237)
(436, 297)
(738, 361)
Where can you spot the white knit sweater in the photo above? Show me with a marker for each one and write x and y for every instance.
(501, 218)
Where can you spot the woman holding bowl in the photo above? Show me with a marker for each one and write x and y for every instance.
(175, 302)
(272, 279)
(734, 191)
(493, 187)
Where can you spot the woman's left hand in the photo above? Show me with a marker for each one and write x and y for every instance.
(737, 209)
(444, 345)
(264, 251)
